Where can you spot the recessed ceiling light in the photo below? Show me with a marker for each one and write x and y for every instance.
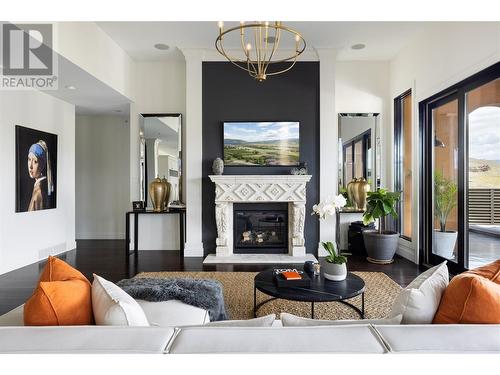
(161, 46)
(358, 46)
(70, 87)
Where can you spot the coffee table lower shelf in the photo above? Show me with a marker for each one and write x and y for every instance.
(256, 307)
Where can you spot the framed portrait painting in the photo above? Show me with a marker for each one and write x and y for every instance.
(36, 170)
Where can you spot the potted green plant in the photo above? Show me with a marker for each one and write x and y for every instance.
(445, 200)
(333, 265)
(381, 245)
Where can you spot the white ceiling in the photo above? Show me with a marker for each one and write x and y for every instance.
(383, 39)
(90, 96)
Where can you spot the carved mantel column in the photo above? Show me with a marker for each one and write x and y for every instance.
(224, 220)
(297, 217)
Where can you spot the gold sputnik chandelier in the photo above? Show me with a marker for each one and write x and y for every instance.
(260, 43)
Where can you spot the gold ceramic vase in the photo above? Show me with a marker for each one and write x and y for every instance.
(168, 188)
(350, 191)
(361, 188)
(157, 192)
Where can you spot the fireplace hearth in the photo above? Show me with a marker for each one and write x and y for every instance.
(260, 231)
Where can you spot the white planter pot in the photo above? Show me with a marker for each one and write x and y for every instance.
(334, 272)
(444, 243)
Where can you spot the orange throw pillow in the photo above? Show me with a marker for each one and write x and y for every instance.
(472, 297)
(62, 297)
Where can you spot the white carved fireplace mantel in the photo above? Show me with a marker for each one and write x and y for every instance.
(231, 189)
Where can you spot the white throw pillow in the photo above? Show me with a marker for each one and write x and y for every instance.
(419, 301)
(263, 321)
(113, 306)
(290, 320)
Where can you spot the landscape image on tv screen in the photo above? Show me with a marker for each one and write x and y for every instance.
(261, 143)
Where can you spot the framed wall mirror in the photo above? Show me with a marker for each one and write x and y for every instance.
(161, 154)
(359, 157)
(359, 149)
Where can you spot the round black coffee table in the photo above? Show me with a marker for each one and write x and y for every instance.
(321, 290)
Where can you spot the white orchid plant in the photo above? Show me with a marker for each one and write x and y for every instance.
(329, 206)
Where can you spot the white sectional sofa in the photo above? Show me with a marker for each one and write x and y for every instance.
(179, 328)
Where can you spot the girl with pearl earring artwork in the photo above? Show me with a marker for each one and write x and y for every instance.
(36, 186)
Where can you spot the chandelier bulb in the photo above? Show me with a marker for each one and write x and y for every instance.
(297, 38)
(249, 46)
(220, 24)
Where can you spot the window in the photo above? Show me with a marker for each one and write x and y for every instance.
(403, 128)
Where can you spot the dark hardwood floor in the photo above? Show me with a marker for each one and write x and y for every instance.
(106, 258)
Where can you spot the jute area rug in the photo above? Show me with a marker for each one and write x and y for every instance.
(238, 296)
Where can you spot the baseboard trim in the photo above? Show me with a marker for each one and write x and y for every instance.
(100, 236)
(406, 251)
(193, 249)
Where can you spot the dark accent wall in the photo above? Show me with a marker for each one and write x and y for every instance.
(230, 94)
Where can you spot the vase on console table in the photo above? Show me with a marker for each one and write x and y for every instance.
(157, 192)
(360, 189)
(350, 191)
(168, 188)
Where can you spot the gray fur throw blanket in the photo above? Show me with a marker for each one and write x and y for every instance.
(206, 294)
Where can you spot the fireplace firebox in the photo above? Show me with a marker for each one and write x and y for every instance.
(260, 228)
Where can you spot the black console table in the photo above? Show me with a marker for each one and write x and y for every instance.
(177, 211)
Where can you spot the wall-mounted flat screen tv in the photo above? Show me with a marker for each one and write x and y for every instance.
(261, 143)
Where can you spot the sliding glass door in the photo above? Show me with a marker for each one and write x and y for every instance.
(445, 164)
(460, 173)
(483, 168)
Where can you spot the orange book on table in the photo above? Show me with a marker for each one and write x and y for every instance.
(291, 275)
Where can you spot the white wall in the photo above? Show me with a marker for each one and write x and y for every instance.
(328, 140)
(363, 87)
(193, 152)
(102, 178)
(159, 87)
(27, 237)
(442, 56)
(445, 54)
(88, 46)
